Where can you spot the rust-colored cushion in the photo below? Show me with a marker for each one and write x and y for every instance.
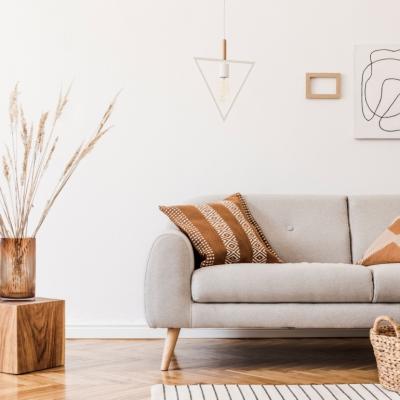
(385, 249)
(223, 232)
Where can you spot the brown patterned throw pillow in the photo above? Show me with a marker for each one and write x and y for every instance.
(223, 232)
(385, 249)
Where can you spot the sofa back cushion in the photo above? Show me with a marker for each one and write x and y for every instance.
(369, 217)
(302, 227)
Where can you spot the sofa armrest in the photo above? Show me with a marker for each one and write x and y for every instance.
(168, 298)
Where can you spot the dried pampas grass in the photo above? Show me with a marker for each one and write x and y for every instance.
(26, 161)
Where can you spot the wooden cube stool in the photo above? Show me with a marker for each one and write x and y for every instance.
(32, 335)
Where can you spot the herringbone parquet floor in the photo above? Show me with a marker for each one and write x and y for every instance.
(125, 369)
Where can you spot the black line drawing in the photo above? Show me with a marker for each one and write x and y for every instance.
(372, 105)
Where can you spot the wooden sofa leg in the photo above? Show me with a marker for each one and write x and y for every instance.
(169, 346)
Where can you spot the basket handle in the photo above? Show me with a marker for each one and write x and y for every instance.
(391, 321)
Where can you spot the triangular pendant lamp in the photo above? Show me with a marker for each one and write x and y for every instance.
(223, 77)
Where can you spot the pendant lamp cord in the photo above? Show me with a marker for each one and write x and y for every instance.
(224, 20)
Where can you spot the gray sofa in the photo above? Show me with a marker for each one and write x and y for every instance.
(319, 237)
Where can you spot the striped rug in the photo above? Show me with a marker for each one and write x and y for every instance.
(272, 392)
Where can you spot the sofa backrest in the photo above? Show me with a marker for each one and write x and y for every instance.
(369, 216)
(302, 227)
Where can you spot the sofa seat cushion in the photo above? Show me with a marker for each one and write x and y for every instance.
(283, 283)
(386, 283)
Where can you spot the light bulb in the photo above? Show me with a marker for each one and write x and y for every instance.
(224, 90)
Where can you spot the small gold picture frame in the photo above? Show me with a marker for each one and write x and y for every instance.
(318, 75)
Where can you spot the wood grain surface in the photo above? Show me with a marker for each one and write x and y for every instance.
(125, 369)
(31, 335)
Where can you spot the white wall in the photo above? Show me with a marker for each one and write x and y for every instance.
(169, 143)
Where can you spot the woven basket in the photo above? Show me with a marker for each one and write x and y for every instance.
(385, 339)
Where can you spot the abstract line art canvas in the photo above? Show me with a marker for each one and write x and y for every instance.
(377, 91)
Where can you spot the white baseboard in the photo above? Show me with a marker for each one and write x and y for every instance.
(144, 332)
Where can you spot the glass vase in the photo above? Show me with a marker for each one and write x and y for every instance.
(17, 268)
